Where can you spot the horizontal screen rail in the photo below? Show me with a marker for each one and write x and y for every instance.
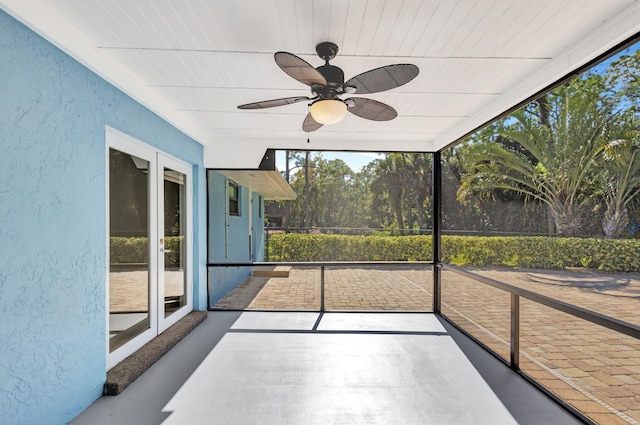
(588, 315)
(321, 263)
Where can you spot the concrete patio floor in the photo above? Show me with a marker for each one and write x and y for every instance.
(593, 369)
(339, 368)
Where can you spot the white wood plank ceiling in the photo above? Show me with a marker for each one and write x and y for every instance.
(194, 61)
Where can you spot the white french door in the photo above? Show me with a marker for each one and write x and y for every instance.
(175, 291)
(149, 279)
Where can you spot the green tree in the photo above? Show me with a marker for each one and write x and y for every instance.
(302, 181)
(387, 190)
(558, 140)
(401, 190)
(334, 203)
(617, 181)
(306, 193)
(326, 192)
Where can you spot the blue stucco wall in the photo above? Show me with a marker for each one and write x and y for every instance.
(232, 245)
(53, 113)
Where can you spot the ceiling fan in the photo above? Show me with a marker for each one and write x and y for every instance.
(327, 85)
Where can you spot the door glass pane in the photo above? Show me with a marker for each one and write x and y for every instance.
(174, 232)
(128, 247)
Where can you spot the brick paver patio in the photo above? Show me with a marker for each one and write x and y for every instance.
(128, 289)
(594, 369)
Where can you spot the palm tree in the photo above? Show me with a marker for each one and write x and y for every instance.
(402, 182)
(558, 139)
(618, 181)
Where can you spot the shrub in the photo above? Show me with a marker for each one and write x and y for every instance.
(611, 255)
(305, 247)
(173, 244)
(127, 250)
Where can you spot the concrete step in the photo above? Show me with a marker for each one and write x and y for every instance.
(127, 371)
(278, 271)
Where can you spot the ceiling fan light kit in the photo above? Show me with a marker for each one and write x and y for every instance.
(327, 84)
(329, 111)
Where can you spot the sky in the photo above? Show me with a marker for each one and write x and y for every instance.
(602, 67)
(355, 160)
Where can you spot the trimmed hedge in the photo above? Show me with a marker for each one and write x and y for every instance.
(611, 255)
(306, 247)
(123, 250)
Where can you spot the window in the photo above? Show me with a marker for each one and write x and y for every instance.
(260, 206)
(234, 199)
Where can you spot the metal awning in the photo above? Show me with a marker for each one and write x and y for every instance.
(268, 183)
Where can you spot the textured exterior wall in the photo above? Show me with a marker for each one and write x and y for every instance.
(53, 113)
(234, 245)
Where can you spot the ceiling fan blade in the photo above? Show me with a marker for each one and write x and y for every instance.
(384, 78)
(371, 109)
(273, 102)
(310, 124)
(299, 69)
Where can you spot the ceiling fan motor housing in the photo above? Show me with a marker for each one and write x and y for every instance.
(333, 75)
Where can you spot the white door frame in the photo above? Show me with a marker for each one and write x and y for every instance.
(157, 161)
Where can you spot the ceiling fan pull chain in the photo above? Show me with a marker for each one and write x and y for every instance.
(308, 112)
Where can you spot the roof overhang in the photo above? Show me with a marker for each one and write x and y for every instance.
(268, 183)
